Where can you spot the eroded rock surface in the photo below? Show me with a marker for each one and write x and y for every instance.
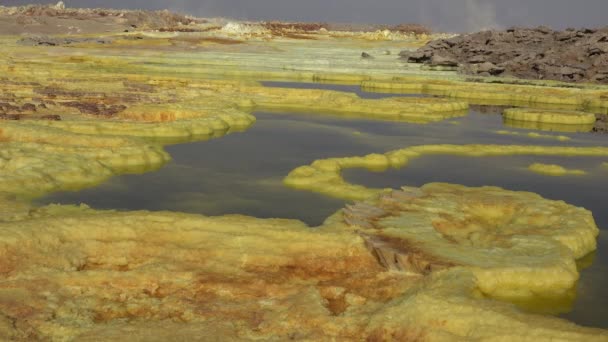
(601, 124)
(572, 55)
(54, 41)
(52, 19)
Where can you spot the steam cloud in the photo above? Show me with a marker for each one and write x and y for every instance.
(459, 15)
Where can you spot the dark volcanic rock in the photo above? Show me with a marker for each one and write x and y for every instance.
(420, 56)
(490, 68)
(10, 116)
(95, 109)
(51, 117)
(477, 59)
(601, 124)
(534, 53)
(438, 60)
(366, 55)
(59, 41)
(7, 107)
(405, 54)
(28, 107)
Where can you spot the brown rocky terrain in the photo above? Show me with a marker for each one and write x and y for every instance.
(57, 19)
(601, 125)
(349, 27)
(572, 55)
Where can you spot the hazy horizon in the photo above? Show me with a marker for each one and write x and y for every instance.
(442, 15)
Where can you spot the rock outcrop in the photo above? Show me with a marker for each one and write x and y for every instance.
(58, 19)
(60, 41)
(534, 53)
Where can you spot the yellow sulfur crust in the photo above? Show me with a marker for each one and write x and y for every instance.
(324, 175)
(415, 264)
(516, 243)
(535, 135)
(71, 273)
(551, 117)
(554, 170)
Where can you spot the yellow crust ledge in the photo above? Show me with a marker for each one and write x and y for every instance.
(518, 244)
(534, 135)
(545, 126)
(97, 147)
(413, 110)
(554, 170)
(172, 131)
(550, 116)
(36, 160)
(324, 175)
(498, 93)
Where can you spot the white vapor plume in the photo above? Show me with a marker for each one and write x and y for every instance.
(467, 15)
(480, 15)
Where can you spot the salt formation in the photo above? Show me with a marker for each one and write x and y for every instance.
(516, 243)
(554, 170)
(507, 92)
(242, 29)
(534, 135)
(72, 273)
(324, 175)
(550, 116)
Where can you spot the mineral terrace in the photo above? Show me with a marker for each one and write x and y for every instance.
(89, 94)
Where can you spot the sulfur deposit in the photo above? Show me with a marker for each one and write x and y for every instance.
(511, 92)
(535, 135)
(549, 127)
(439, 262)
(554, 170)
(324, 175)
(516, 243)
(72, 273)
(550, 117)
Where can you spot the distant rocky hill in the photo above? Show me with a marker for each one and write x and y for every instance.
(572, 55)
(57, 19)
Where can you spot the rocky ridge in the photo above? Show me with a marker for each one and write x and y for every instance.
(59, 19)
(572, 55)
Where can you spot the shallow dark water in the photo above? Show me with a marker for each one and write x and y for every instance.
(242, 173)
(329, 86)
